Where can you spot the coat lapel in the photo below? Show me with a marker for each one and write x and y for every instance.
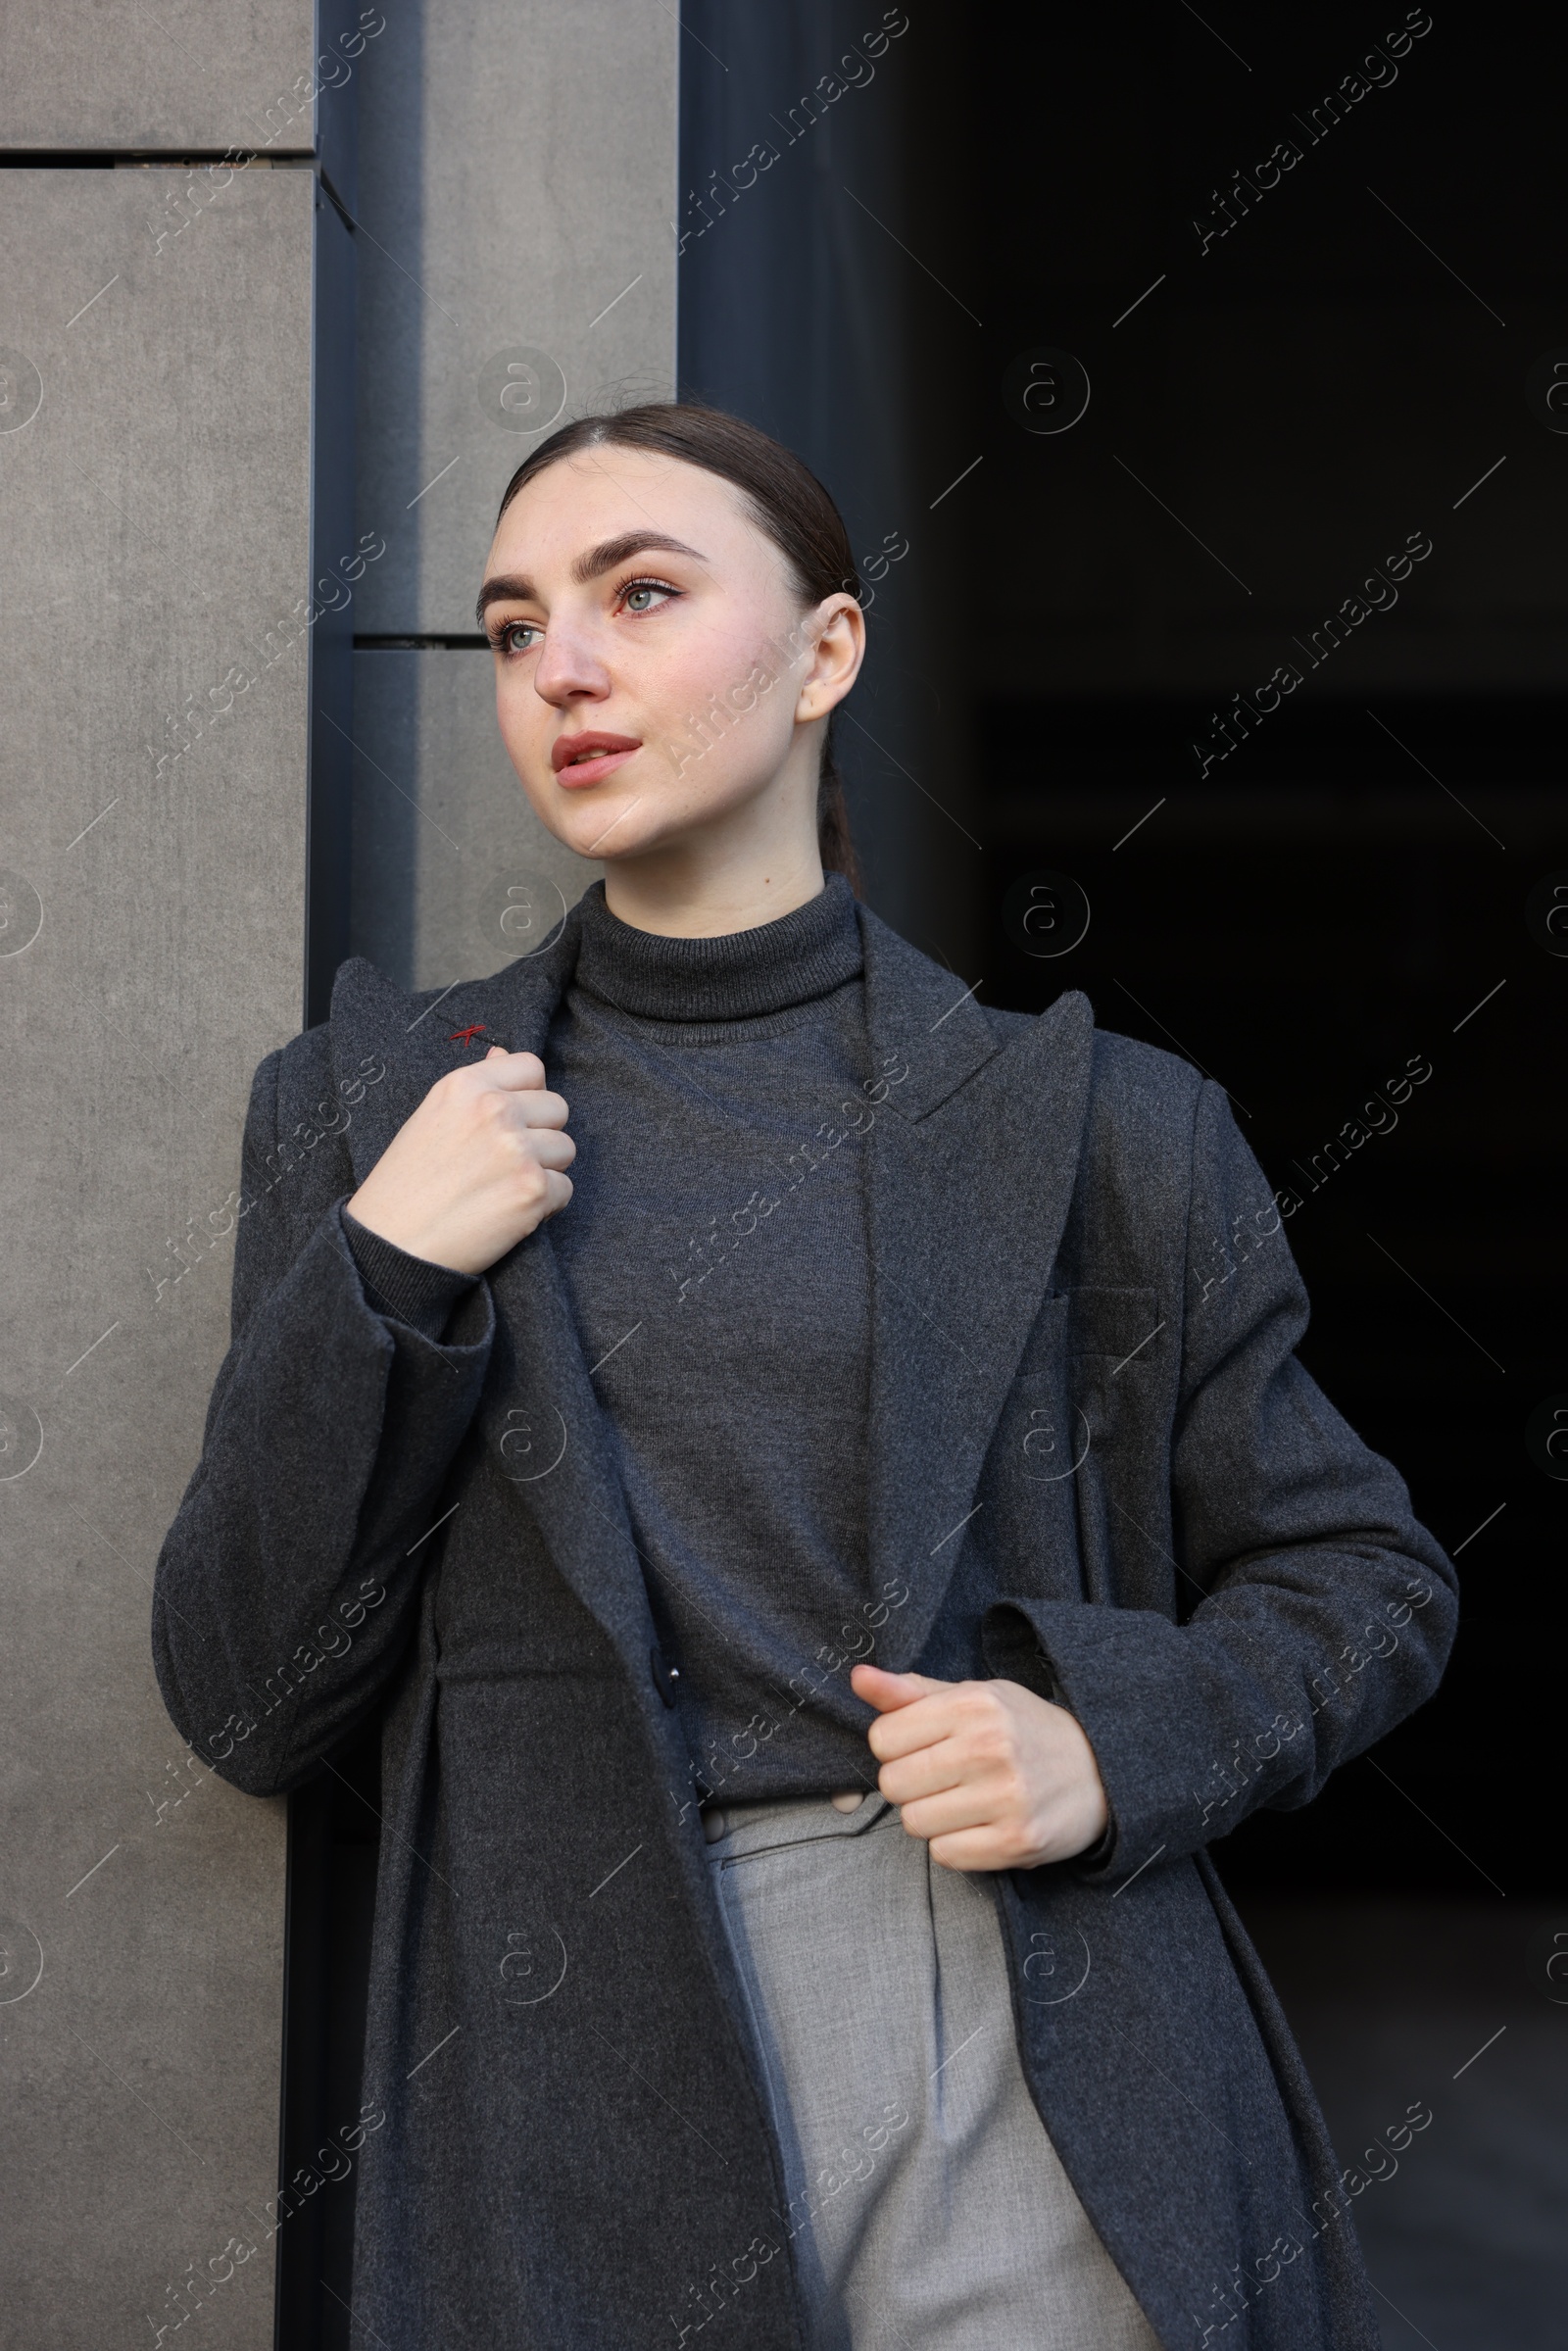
(539, 1412)
(971, 1165)
(389, 1047)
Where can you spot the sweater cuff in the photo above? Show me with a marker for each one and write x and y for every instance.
(408, 1289)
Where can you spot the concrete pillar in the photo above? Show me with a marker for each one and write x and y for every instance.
(161, 393)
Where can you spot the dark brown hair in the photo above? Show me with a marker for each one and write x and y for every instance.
(786, 502)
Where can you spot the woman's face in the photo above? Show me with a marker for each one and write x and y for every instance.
(656, 674)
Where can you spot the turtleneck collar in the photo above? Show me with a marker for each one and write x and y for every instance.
(738, 976)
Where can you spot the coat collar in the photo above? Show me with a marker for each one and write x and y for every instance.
(971, 1160)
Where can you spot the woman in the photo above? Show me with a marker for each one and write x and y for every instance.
(826, 1566)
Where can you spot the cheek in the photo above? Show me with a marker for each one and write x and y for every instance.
(683, 676)
(522, 717)
(732, 693)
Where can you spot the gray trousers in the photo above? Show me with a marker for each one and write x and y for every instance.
(928, 2207)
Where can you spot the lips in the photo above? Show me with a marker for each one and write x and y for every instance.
(581, 759)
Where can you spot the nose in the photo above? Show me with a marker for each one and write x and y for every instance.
(570, 667)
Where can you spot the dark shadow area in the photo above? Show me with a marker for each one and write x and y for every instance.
(1306, 931)
(1413, 2007)
(333, 1840)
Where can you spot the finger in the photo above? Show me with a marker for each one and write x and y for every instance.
(550, 1149)
(886, 1691)
(947, 1811)
(541, 1108)
(514, 1070)
(926, 1772)
(911, 1727)
(558, 1192)
(974, 1849)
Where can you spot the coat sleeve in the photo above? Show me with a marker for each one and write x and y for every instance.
(286, 1587)
(1312, 1611)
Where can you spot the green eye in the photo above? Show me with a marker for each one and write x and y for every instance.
(641, 596)
(520, 637)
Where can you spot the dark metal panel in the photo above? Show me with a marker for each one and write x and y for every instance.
(339, 564)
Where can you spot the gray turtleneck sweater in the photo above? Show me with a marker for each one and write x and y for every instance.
(715, 1254)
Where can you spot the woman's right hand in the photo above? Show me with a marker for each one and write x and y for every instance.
(475, 1168)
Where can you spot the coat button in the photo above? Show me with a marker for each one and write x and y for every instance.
(665, 1677)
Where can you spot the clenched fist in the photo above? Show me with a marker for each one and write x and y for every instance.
(478, 1166)
(991, 1775)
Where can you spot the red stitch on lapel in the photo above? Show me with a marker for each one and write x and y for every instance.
(467, 1036)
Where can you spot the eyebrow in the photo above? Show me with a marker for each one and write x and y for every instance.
(513, 588)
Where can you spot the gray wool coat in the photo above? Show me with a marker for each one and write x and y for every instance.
(1096, 1467)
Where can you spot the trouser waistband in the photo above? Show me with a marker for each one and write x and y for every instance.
(787, 1819)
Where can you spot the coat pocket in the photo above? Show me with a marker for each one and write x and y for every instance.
(1090, 1350)
(1115, 1344)
(1123, 1325)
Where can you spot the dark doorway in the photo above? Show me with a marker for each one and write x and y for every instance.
(1198, 386)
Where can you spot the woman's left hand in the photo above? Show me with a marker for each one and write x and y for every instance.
(991, 1775)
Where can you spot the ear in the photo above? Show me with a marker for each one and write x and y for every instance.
(836, 630)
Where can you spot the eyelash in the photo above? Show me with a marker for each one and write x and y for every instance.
(499, 635)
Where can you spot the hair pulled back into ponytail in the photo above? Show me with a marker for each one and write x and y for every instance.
(786, 502)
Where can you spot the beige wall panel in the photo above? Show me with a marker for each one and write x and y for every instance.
(155, 441)
(182, 78)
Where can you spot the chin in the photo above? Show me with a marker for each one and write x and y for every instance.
(608, 830)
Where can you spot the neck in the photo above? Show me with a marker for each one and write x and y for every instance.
(727, 878)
